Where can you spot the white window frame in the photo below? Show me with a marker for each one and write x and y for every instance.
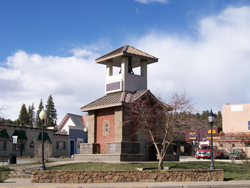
(106, 128)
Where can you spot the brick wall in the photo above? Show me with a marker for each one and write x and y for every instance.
(126, 176)
(101, 116)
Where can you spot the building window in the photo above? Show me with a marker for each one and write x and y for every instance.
(61, 145)
(3, 145)
(221, 145)
(248, 125)
(106, 127)
(17, 146)
(233, 145)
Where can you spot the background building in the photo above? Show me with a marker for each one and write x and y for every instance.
(236, 128)
(26, 137)
(74, 126)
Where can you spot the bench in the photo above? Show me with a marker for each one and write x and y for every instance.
(4, 159)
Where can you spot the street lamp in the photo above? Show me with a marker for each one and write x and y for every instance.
(42, 116)
(211, 118)
(86, 134)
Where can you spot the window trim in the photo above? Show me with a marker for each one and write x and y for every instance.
(15, 148)
(57, 145)
(4, 145)
(106, 129)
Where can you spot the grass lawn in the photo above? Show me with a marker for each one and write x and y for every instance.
(4, 173)
(231, 171)
(5, 170)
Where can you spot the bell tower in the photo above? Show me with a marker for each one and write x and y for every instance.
(126, 58)
(110, 138)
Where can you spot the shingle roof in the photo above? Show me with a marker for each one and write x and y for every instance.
(127, 51)
(76, 119)
(115, 99)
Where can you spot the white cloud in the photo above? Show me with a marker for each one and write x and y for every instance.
(213, 68)
(152, 1)
(72, 81)
(78, 52)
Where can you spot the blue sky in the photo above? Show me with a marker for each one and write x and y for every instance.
(50, 47)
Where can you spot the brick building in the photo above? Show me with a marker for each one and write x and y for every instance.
(107, 135)
(109, 138)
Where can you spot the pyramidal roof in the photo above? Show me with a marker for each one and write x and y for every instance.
(115, 99)
(126, 51)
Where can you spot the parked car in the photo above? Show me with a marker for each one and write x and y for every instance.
(237, 154)
(205, 152)
(224, 154)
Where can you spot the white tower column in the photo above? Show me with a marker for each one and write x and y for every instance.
(109, 68)
(124, 72)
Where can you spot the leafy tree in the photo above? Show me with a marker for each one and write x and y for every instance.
(204, 115)
(23, 117)
(31, 113)
(51, 112)
(16, 122)
(218, 119)
(38, 120)
(161, 123)
(198, 115)
(219, 115)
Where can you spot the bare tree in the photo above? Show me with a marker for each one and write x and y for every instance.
(2, 108)
(161, 122)
(38, 150)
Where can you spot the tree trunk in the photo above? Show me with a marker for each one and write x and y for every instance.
(160, 167)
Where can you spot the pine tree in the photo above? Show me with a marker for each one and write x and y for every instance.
(51, 112)
(38, 120)
(23, 117)
(31, 113)
(219, 115)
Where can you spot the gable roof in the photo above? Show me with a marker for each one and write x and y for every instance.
(127, 51)
(115, 99)
(79, 121)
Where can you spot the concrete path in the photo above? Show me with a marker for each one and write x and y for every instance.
(219, 184)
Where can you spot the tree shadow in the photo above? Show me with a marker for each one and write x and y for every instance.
(228, 179)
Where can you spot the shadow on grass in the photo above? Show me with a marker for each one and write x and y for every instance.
(228, 179)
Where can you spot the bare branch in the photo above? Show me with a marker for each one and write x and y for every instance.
(161, 122)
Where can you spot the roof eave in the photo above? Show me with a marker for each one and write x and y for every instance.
(149, 59)
(103, 60)
(100, 107)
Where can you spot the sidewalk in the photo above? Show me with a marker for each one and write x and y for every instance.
(219, 184)
(26, 182)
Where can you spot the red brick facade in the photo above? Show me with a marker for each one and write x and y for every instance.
(105, 115)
